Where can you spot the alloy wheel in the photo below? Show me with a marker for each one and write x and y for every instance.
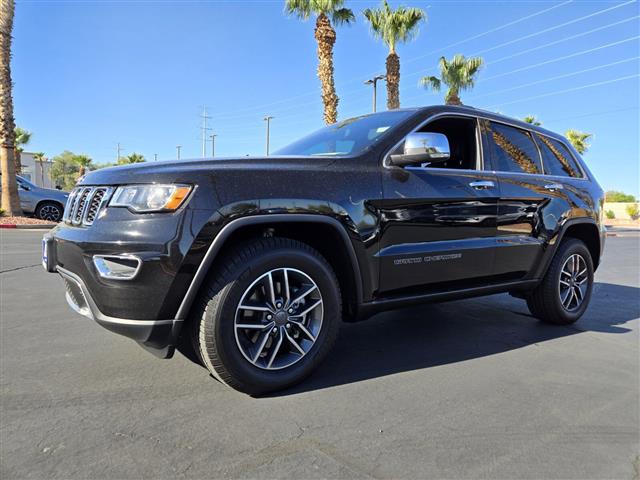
(573, 283)
(278, 319)
(50, 212)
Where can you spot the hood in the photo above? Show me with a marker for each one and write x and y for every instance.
(188, 171)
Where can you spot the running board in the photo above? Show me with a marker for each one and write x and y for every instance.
(368, 309)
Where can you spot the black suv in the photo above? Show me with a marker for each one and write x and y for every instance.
(249, 265)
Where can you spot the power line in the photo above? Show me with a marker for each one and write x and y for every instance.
(315, 92)
(493, 30)
(557, 77)
(567, 90)
(564, 57)
(572, 37)
(599, 12)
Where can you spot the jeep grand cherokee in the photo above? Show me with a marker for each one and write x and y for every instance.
(250, 264)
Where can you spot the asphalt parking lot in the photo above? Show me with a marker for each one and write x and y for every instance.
(468, 389)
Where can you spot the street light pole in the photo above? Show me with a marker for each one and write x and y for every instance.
(374, 81)
(213, 144)
(268, 119)
(178, 147)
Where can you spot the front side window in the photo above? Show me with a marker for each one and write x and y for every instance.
(512, 149)
(556, 158)
(348, 137)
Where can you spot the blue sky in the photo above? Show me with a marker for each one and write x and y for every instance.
(89, 74)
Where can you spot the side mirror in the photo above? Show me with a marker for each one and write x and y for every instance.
(423, 148)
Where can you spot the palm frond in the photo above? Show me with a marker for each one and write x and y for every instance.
(343, 16)
(376, 21)
(431, 82)
(532, 120)
(298, 8)
(394, 26)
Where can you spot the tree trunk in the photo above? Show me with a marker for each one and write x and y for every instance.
(10, 198)
(17, 160)
(326, 37)
(393, 81)
(452, 99)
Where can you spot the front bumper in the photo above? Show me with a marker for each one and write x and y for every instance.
(158, 336)
(143, 306)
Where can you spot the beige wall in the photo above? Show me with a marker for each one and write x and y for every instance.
(619, 208)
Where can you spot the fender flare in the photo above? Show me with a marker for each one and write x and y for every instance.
(559, 236)
(232, 226)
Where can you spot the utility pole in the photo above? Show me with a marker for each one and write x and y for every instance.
(118, 149)
(374, 82)
(213, 144)
(268, 119)
(178, 147)
(204, 129)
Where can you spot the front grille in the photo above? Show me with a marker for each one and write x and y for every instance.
(85, 204)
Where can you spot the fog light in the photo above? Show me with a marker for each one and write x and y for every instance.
(117, 267)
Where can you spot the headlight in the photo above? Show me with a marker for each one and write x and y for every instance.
(150, 198)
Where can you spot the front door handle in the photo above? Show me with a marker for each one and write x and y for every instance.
(482, 184)
(554, 186)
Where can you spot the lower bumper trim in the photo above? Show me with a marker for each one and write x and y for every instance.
(159, 336)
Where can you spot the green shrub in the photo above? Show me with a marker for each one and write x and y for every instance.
(1, 212)
(615, 196)
(633, 211)
(610, 214)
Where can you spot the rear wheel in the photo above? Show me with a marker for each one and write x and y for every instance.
(564, 293)
(268, 316)
(50, 211)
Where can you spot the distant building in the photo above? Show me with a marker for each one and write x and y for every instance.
(35, 171)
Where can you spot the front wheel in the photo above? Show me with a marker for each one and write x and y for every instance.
(564, 293)
(268, 316)
(50, 211)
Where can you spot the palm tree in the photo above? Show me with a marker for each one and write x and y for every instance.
(579, 140)
(326, 11)
(10, 199)
(394, 27)
(458, 74)
(83, 162)
(532, 120)
(132, 158)
(39, 157)
(22, 138)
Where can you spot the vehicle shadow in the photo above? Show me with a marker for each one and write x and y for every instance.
(445, 333)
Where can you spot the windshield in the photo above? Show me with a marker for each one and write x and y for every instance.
(25, 182)
(349, 137)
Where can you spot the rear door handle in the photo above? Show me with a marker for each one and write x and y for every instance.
(554, 186)
(482, 184)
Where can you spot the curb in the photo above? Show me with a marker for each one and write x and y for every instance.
(46, 226)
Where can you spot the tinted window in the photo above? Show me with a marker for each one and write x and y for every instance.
(512, 149)
(349, 136)
(556, 158)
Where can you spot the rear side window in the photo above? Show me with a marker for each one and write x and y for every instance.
(556, 158)
(512, 149)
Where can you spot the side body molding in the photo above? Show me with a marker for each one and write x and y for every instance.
(232, 226)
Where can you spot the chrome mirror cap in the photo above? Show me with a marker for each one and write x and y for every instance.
(423, 147)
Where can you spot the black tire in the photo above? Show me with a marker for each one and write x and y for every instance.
(51, 211)
(545, 301)
(213, 322)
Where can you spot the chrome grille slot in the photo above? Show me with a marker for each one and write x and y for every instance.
(85, 204)
(66, 217)
(81, 204)
(97, 201)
